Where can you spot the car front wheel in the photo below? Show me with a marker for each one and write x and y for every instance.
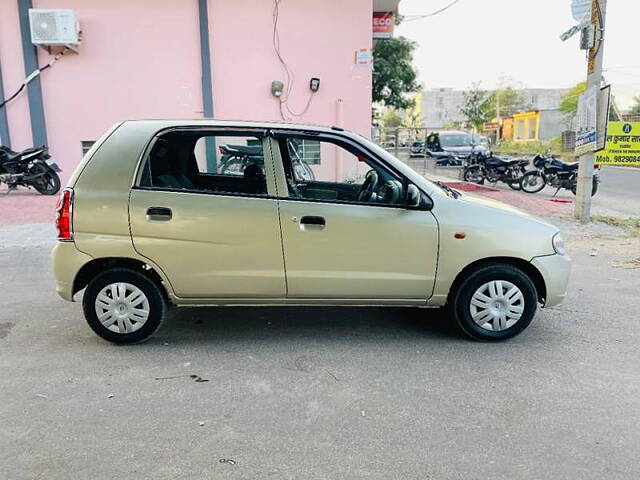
(495, 302)
(124, 306)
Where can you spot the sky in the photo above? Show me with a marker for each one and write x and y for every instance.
(488, 40)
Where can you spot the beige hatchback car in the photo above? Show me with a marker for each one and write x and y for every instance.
(205, 212)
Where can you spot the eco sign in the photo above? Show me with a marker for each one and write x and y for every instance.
(623, 145)
(383, 24)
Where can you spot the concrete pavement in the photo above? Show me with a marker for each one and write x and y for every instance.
(326, 393)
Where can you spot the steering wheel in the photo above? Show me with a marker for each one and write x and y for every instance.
(368, 188)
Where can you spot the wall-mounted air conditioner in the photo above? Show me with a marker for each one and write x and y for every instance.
(54, 28)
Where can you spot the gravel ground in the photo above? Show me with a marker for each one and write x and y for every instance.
(326, 393)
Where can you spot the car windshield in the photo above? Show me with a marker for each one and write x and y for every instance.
(455, 140)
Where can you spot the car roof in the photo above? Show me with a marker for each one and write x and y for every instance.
(209, 122)
(452, 132)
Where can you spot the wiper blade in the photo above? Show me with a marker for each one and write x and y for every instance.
(448, 189)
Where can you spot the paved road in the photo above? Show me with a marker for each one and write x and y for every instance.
(318, 393)
(618, 193)
(620, 189)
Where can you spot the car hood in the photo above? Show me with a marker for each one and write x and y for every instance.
(484, 202)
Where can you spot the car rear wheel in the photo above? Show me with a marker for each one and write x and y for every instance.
(495, 302)
(124, 306)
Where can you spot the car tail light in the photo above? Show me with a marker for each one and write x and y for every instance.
(64, 211)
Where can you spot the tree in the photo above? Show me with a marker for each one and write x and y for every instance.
(509, 100)
(569, 101)
(635, 109)
(477, 106)
(391, 119)
(394, 76)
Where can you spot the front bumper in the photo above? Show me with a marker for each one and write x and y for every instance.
(555, 270)
(67, 261)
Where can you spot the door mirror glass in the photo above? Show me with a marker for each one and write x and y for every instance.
(413, 196)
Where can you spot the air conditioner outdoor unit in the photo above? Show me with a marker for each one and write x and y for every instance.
(54, 28)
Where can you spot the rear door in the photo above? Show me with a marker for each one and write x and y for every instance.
(213, 232)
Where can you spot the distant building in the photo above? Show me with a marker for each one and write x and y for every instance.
(441, 106)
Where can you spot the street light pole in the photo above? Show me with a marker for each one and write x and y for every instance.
(582, 209)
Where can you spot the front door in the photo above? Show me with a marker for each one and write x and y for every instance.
(346, 232)
(205, 211)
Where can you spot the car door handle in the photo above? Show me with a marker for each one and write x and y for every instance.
(310, 220)
(159, 213)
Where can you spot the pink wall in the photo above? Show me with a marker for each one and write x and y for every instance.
(141, 59)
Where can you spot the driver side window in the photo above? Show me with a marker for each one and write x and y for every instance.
(321, 169)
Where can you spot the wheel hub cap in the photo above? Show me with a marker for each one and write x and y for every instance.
(122, 307)
(497, 305)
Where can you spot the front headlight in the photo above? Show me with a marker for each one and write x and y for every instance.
(558, 244)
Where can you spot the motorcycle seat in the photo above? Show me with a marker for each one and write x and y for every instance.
(11, 156)
(499, 162)
(248, 150)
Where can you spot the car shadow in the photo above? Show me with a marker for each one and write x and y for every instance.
(222, 325)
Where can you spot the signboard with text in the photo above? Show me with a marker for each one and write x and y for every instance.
(586, 135)
(383, 24)
(623, 145)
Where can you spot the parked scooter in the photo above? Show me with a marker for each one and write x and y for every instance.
(494, 169)
(554, 172)
(30, 168)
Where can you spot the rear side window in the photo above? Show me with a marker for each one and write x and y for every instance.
(206, 162)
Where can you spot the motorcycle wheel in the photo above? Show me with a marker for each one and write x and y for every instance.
(48, 183)
(514, 184)
(594, 188)
(532, 182)
(474, 174)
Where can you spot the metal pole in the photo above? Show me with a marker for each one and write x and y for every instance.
(582, 209)
(5, 138)
(396, 138)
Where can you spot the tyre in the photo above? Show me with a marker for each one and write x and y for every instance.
(495, 302)
(514, 181)
(514, 184)
(533, 182)
(124, 306)
(474, 174)
(594, 188)
(48, 183)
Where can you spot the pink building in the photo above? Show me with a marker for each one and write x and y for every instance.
(185, 59)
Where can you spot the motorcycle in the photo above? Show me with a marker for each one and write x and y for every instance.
(32, 167)
(554, 172)
(447, 159)
(494, 169)
(235, 158)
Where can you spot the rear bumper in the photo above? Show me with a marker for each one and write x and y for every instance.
(555, 270)
(67, 260)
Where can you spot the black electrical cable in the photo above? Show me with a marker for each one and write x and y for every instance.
(284, 99)
(410, 18)
(33, 75)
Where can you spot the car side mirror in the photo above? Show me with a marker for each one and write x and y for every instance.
(413, 196)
